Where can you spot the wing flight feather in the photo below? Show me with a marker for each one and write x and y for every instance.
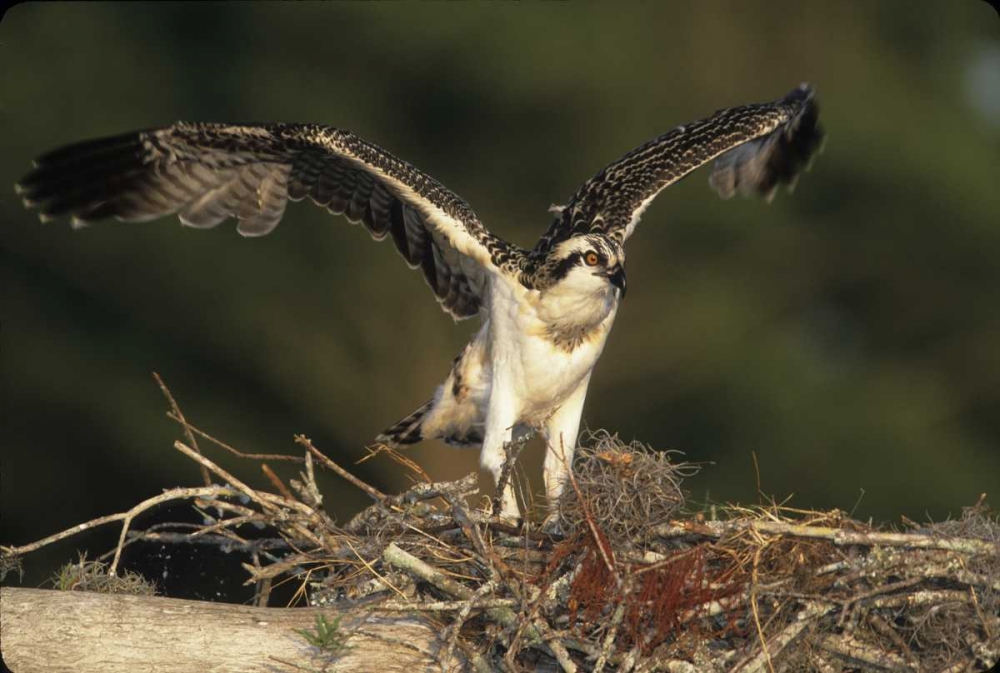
(756, 148)
(208, 173)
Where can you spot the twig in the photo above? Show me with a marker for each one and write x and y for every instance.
(184, 424)
(248, 546)
(504, 615)
(127, 521)
(225, 528)
(327, 462)
(238, 511)
(230, 479)
(467, 485)
(472, 533)
(403, 560)
(275, 481)
(760, 662)
(406, 462)
(660, 564)
(265, 500)
(609, 638)
(561, 655)
(979, 613)
(455, 629)
(233, 450)
(166, 496)
(854, 650)
(754, 609)
(877, 591)
(838, 536)
(290, 563)
(926, 597)
(263, 586)
(884, 628)
(446, 606)
(281, 502)
(368, 566)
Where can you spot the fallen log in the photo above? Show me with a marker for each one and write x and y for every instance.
(46, 631)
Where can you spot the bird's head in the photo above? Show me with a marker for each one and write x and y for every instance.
(589, 264)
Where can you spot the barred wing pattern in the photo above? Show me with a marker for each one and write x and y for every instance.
(208, 173)
(756, 147)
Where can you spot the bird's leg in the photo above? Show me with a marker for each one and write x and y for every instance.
(561, 431)
(512, 450)
(505, 488)
(499, 426)
(558, 459)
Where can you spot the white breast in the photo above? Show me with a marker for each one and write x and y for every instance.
(544, 347)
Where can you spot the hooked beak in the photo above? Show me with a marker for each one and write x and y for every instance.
(617, 277)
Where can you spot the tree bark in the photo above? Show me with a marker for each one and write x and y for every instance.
(55, 631)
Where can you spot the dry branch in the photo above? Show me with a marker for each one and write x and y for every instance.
(166, 496)
(176, 412)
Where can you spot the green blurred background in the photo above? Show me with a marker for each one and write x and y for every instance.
(848, 334)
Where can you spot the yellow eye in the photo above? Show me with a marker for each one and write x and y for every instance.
(591, 258)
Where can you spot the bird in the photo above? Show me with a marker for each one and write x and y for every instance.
(545, 312)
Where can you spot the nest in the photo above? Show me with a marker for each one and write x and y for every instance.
(622, 487)
(633, 582)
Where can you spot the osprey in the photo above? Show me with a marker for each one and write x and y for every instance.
(546, 311)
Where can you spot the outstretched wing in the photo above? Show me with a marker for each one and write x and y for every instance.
(756, 147)
(208, 173)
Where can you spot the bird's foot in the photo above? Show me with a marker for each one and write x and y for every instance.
(552, 525)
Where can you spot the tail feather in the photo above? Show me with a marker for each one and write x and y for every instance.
(407, 430)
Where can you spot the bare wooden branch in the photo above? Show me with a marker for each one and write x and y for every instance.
(467, 485)
(229, 478)
(447, 606)
(762, 660)
(327, 462)
(176, 410)
(854, 652)
(276, 482)
(536, 631)
(166, 496)
(838, 536)
(609, 638)
(231, 449)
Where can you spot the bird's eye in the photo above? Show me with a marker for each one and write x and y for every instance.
(591, 258)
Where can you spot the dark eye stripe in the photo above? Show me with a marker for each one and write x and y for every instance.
(560, 270)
